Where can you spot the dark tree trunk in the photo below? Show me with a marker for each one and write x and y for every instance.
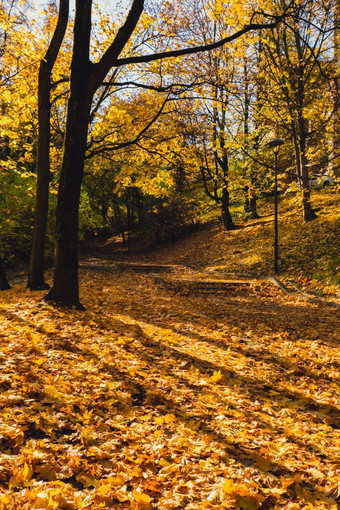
(4, 285)
(36, 279)
(308, 213)
(336, 134)
(250, 193)
(250, 203)
(85, 80)
(119, 223)
(65, 288)
(227, 220)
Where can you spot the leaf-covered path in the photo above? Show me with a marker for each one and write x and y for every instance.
(158, 399)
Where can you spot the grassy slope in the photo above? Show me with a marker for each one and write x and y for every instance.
(309, 250)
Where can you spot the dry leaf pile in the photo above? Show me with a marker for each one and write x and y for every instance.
(154, 399)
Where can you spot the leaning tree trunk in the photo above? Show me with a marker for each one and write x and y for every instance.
(4, 285)
(36, 280)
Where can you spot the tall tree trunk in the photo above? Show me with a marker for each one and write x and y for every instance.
(336, 135)
(4, 285)
(36, 279)
(250, 205)
(308, 213)
(227, 220)
(86, 77)
(65, 290)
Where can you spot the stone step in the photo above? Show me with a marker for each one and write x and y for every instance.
(209, 287)
(145, 268)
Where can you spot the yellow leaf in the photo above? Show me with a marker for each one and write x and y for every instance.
(216, 377)
(27, 473)
(5, 498)
(21, 475)
(51, 391)
(169, 418)
(104, 489)
(142, 500)
(228, 487)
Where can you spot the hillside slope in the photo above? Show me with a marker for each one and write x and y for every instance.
(309, 250)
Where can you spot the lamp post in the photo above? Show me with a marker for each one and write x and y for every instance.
(275, 144)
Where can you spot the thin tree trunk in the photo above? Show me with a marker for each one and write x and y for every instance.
(119, 223)
(308, 213)
(297, 155)
(36, 279)
(227, 220)
(250, 191)
(4, 285)
(336, 134)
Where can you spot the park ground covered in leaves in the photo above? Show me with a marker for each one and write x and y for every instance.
(165, 396)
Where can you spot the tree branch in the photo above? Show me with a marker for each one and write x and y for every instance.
(198, 49)
(123, 145)
(101, 68)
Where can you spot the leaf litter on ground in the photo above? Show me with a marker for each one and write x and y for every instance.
(156, 399)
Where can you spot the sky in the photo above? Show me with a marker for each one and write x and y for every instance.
(104, 4)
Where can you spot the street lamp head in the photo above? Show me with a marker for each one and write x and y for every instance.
(275, 143)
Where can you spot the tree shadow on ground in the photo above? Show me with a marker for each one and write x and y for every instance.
(156, 354)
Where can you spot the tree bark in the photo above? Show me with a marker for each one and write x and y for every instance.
(336, 135)
(308, 213)
(85, 79)
(36, 279)
(65, 290)
(4, 285)
(227, 220)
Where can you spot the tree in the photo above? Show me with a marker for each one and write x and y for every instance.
(36, 267)
(296, 68)
(86, 78)
(12, 34)
(4, 285)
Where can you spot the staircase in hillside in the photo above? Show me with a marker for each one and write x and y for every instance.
(146, 268)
